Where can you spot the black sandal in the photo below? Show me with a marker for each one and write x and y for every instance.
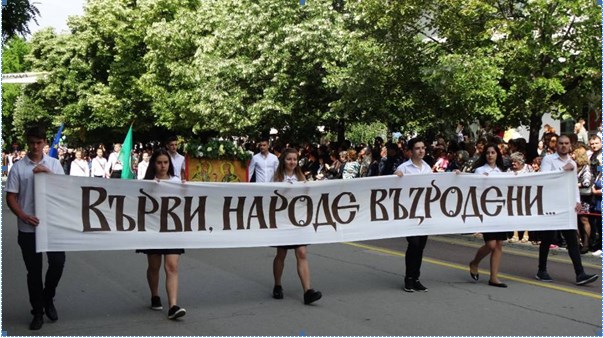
(277, 292)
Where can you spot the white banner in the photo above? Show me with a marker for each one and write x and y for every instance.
(79, 213)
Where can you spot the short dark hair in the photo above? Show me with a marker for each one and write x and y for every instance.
(171, 139)
(411, 144)
(35, 131)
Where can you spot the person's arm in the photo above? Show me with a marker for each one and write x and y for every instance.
(183, 170)
(13, 203)
(398, 172)
(109, 165)
(251, 169)
(595, 191)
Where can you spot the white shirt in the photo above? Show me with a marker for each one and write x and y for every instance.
(113, 164)
(99, 166)
(172, 179)
(21, 182)
(263, 166)
(553, 162)
(409, 167)
(142, 169)
(178, 163)
(290, 179)
(79, 168)
(487, 169)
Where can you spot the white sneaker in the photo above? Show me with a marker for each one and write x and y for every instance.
(597, 253)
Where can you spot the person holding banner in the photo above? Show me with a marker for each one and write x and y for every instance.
(416, 244)
(20, 200)
(289, 171)
(161, 169)
(561, 160)
(489, 162)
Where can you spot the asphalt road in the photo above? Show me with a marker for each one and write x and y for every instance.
(228, 292)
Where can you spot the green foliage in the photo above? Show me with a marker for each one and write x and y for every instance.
(16, 16)
(14, 52)
(233, 67)
(216, 149)
(365, 133)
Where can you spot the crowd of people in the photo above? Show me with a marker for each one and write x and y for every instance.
(294, 163)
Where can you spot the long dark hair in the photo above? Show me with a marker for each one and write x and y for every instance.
(151, 172)
(279, 175)
(482, 158)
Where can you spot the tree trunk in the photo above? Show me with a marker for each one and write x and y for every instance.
(535, 124)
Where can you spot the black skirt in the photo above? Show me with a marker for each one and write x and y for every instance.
(292, 247)
(161, 251)
(495, 236)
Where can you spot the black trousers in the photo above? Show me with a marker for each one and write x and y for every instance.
(414, 255)
(40, 292)
(573, 249)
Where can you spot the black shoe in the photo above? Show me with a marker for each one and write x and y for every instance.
(419, 287)
(311, 296)
(474, 276)
(409, 284)
(498, 285)
(584, 279)
(51, 311)
(277, 292)
(36, 322)
(156, 303)
(543, 276)
(176, 312)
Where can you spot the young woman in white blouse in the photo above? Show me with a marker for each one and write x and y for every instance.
(161, 169)
(289, 171)
(489, 162)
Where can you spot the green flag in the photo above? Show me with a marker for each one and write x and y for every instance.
(125, 155)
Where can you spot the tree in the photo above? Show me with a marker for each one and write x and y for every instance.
(543, 54)
(93, 84)
(15, 18)
(244, 67)
(13, 61)
(228, 67)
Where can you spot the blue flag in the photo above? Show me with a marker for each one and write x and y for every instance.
(54, 148)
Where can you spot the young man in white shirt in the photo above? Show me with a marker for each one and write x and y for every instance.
(561, 160)
(263, 164)
(178, 161)
(20, 200)
(99, 165)
(114, 165)
(416, 244)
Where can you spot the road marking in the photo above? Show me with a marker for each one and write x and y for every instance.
(553, 254)
(483, 272)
